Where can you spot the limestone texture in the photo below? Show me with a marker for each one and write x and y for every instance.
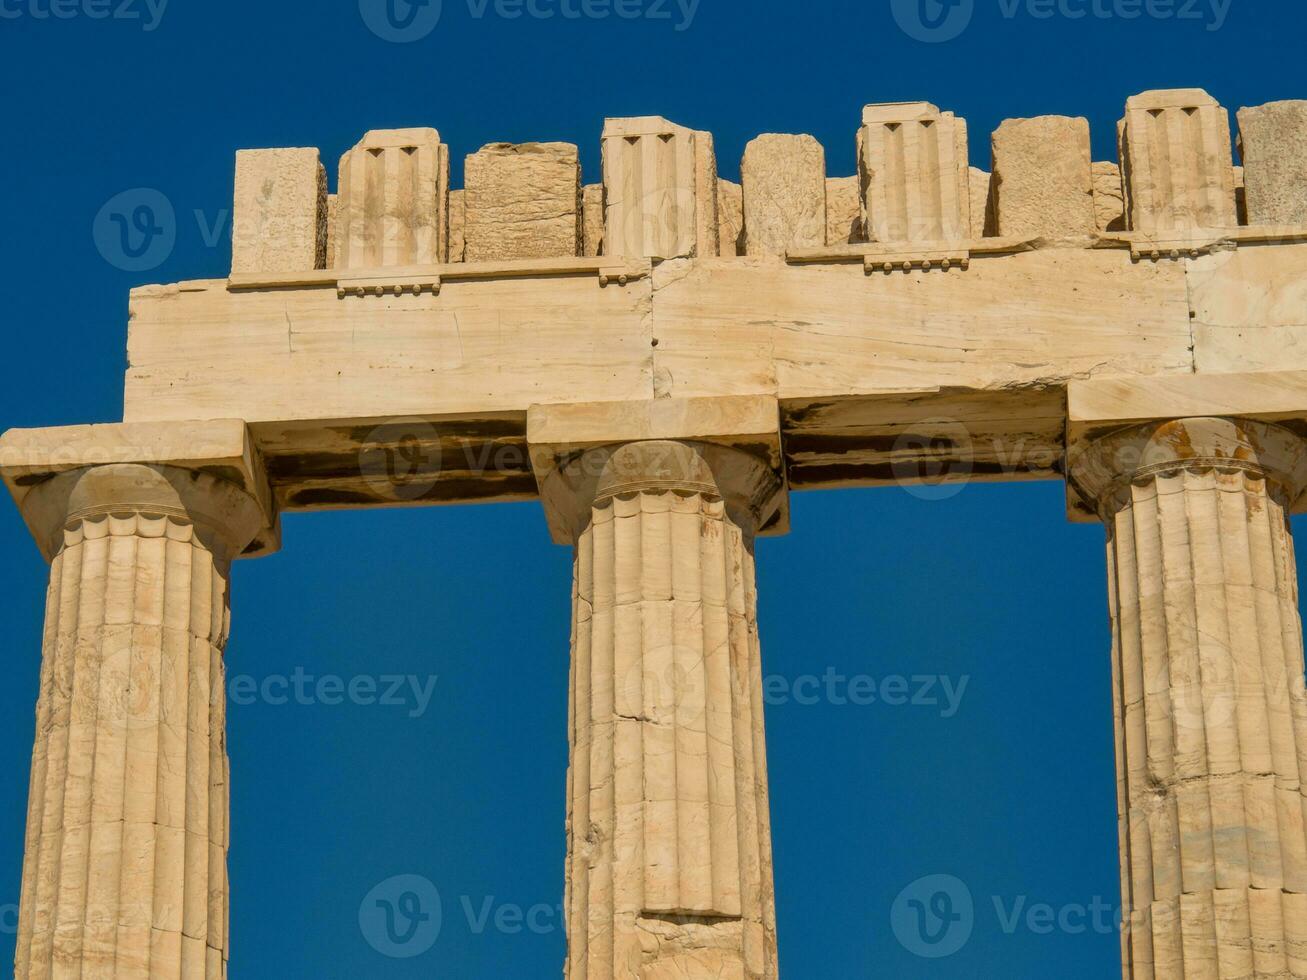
(730, 218)
(1273, 147)
(1109, 198)
(1043, 177)
(783, 181)
(916, 183)
(279, 216)
(669, 867)
(393, 200)
(660, 184)
(333, 210)
(522, 201)
(1177, 163)
(592, 219)
(843, 211)
(125, 866)
(1211, 715)
(980, 184)
(457, 219)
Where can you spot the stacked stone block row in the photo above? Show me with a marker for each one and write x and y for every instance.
(661, 198)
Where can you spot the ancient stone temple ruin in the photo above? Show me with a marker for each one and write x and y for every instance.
(661, 358)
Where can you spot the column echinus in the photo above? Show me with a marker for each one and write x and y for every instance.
(1210, 713)
(124, 870)
(669, 869)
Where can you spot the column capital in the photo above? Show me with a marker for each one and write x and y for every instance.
(723, 447)
(207, 474)
(1130, 411)
(1101, 470)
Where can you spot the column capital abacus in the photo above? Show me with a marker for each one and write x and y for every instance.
(1101, 470)
(206, 476)
(727, 448)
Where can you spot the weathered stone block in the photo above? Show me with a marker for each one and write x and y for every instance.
(912, 161)
(660, 189)
(333, 231)
(279, 215)
(592, 219)
(1273, 145)
(843, 211)
(1043, 177)
(457, 227)
(783, 177)
(730, 218)
(980, 184)
(522, 201)
(393, 200)
(1177, 165)
(1109, 198)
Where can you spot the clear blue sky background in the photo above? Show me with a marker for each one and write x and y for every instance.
(1012, 794)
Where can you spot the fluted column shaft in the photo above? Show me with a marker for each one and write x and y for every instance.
(669, 854)
(124, 873)
(1211, 718)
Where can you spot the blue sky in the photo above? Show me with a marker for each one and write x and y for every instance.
(1000, 775)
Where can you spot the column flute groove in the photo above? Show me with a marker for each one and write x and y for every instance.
(669, 857)
(1209, 702)
(124, 873)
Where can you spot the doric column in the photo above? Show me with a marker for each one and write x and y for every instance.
(124, 872)
(1211, 718)
(669, 870)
